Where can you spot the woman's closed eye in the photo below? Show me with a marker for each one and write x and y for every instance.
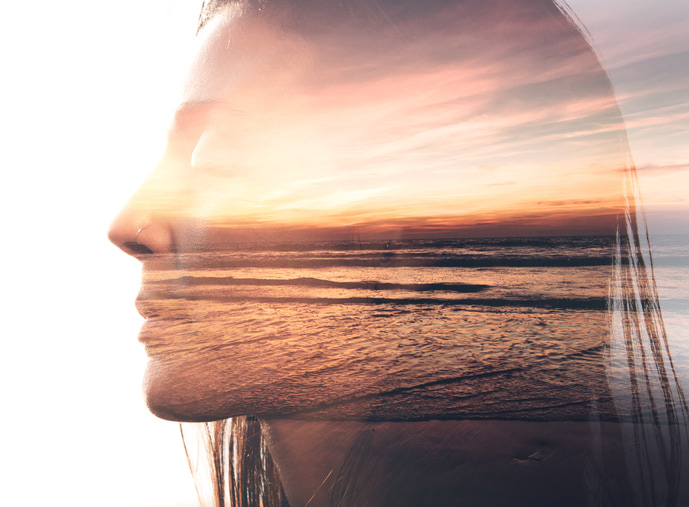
(215, 154)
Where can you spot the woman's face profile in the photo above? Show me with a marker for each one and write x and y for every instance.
(451, 123)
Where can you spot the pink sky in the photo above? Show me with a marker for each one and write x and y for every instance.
(449, 130)
(644, 47)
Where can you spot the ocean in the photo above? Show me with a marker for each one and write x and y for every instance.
(509, 328)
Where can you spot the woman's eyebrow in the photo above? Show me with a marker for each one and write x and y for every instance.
(189, 111)
(187, 123)
(189, 114)
(192, 118)
(189, 120)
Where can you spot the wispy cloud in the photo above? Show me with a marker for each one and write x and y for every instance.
(664, 169)
(460, 122)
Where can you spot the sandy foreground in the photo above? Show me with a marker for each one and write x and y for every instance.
(477, 463)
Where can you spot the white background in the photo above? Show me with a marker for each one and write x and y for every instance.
(86, 90)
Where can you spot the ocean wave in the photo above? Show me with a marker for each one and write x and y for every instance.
(591, 303)
(316, 282)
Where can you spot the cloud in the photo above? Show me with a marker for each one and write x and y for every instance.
(663, 169)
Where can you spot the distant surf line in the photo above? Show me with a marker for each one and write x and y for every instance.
(317, 282)
(398, 262)
(549, 303)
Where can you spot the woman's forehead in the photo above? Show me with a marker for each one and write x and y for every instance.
(253, 62)
(237, 54)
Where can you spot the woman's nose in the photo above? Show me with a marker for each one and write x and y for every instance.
(139, 234)
(145, 224)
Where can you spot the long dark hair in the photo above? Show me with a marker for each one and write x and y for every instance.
(643, 382)
(231, 465)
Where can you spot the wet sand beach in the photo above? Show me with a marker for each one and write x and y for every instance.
(488, 463)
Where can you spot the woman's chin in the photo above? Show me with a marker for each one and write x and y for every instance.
(176, 397)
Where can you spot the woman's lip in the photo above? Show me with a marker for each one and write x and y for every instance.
(153, 330)
(141, 307)
(148, 308)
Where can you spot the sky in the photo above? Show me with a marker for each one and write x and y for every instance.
(426, 134)
(87, 94)
(644, 47)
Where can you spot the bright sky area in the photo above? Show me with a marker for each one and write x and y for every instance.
(87, 91)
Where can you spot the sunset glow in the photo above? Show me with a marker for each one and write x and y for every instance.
(89, 91)
(432, 137)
